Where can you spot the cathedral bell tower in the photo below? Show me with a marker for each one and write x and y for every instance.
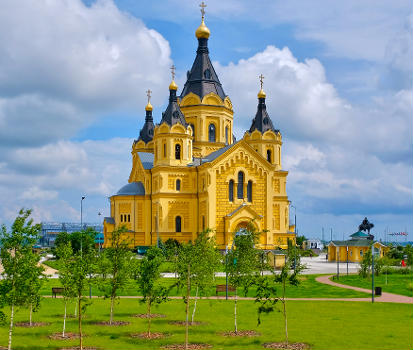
(203, 101)
(262, 136)
(173, 136)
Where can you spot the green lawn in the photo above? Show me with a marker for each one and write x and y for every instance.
(309, 288)
(398, 284)
(323, 325)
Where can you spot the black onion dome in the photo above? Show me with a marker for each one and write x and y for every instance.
(262, 121)
(146, 133)
(173, 113)
(202, 78)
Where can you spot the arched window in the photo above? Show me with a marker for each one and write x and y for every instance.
(178, 185)
(211, 133)
(193, 129)
(128, 217)
(178, 224)
(240, 186)
(226, 135)
(164, 150)
(269, 155)
(177, 151)
(231, 190)
(203, 222)
(249, 191)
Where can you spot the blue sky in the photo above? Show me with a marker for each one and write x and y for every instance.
(73, 77)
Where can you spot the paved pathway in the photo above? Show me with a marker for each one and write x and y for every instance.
(384, 298)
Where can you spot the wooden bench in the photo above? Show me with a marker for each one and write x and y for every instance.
(57, 290)
(223, 288)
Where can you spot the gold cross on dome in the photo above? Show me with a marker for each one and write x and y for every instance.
(202, 6)
(148, 93)
(261, 80)
(173, 72)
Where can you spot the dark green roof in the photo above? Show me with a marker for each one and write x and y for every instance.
(359, 234)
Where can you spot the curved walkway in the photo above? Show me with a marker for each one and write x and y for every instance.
(384, 298)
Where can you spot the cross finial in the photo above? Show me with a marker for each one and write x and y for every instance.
(173, 72)
(202, 6)
(148, 93)
(261, 80)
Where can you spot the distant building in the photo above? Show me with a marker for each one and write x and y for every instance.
(313, 244)
(50, 230)
(354, 249)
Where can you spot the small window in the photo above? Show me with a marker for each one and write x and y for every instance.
(203, 223)
(249, 191)
(226, 135)
(361, 253)
(178, 224)
(121, 217)
(193, 129)
(177, 151)
(351, 253)
(211, 133)
(269, 155)
(164, 150)
(128, 217)
(240, 186)
(178, 185)
(231, 190)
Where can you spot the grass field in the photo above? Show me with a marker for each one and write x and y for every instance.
(309, 288)
(323, 325)
(398, 284)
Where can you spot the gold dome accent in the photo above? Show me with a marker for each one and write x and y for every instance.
(262, 94)
(173, 86)
(202, 31)
(148, 107)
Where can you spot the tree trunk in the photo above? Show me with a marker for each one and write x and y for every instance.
(11, 325)
(80, 324)
(148, 315)
(31, 313)
(76, 307)
(235, 312)
(64, 320)
(112, 300)
(193, 312)
(285, 315)
(188, 290)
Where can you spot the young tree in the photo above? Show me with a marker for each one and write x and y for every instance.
(148, 277)
(17, 259)
(117, 271)
(206, 264)
(34, 281)
(242, 263)
(365, 264)
(66, 262)
(288, 275)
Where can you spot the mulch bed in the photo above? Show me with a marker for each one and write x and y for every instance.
(240, 334)
(154, 335)
(183, 323)
(114, 323)
(68, 336)
(151, 315)
(190, 346)
(78, 348)
(34, 324)
(283, 345)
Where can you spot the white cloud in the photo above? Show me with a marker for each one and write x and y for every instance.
(34, 193)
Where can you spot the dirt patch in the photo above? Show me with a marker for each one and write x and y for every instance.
(183, 323)
(150, 316)
(68, 336)
(284, 345)
(240, 334)
(154, 335)
(114, 323)
(78, 348)
(34, 324)
(190, 346)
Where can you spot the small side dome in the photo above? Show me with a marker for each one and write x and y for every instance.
(261, 94)
(173, 86)
(148, 107)
(132, 189)
(202, 31)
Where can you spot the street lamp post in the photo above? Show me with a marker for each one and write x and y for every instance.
(372, 274)
(347, 260)
(81, 225)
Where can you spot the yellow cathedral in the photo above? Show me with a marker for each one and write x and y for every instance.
(189, 173)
